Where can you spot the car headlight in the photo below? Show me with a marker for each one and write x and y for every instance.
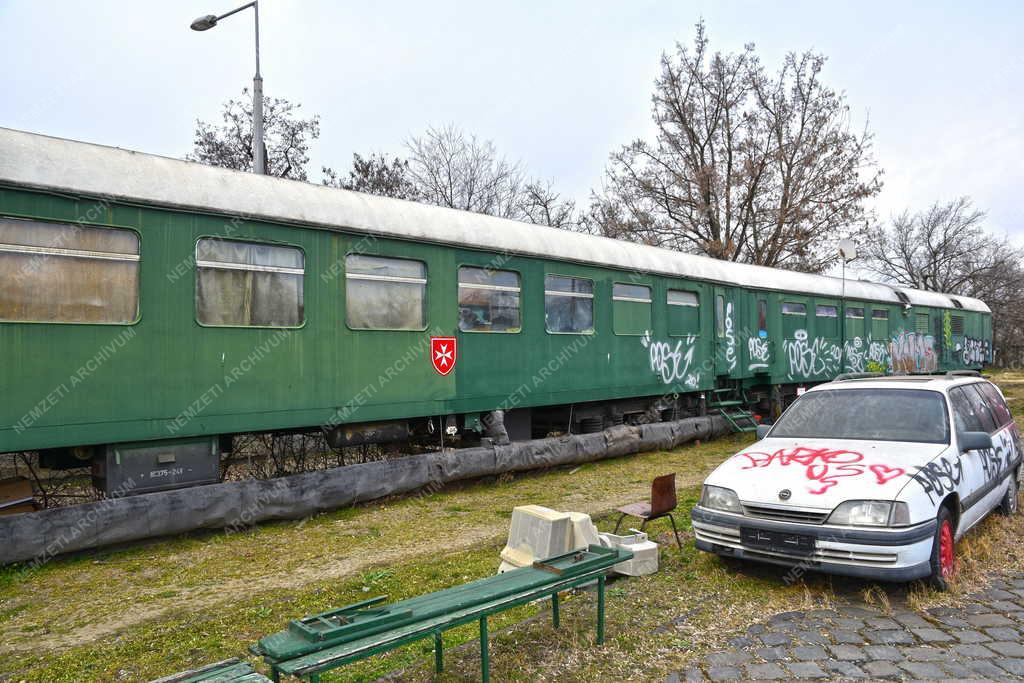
(870, 513)
(718, 498)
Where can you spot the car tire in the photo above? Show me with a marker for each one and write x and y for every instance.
(943, 560)
(1010, 503)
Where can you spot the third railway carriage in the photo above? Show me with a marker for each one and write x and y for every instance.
(151, 308)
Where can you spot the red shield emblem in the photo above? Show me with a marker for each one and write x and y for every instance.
(443, 354)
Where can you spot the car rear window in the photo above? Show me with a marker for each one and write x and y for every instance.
(913, 415)
(1000, 410)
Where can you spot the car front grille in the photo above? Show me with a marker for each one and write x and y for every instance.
(796, 515)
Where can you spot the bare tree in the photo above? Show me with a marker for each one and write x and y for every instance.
(745, 166)
(540, 204)
(945, 248)
(448, 167)
(451, 168)
(942, 249)
(375, 174)
(286, 137)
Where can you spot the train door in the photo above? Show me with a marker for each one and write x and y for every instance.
(759, 344)
(726, 335)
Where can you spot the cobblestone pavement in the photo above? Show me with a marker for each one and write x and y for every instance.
(978, 641)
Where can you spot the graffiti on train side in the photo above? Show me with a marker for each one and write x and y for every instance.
(730, 338)
(974, 351)
(913, 352)
(673, 364)
(759, 353)
(812, 358)
(866, 355)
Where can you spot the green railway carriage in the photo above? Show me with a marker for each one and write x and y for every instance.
(148, 305)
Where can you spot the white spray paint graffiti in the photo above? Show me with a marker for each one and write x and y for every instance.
(865, 355)
(812, 358)
(913, 352)
(973, 351)
(730, 339)
(757, 349)
(673, 364)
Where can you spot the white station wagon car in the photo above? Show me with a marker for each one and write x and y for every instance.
(876, 478)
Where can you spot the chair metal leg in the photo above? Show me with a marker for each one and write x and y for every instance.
(675, 531)
(621, 517)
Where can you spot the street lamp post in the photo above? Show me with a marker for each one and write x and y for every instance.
(205, 23)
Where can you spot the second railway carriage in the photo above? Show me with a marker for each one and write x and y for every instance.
(150, 308)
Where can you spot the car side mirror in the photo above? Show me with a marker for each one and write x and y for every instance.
(762, 431)
(974, 441)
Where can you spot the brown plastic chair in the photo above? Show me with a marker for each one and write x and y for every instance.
(663, 502)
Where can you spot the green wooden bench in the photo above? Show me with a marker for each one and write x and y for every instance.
(312, 645)
(229, 671)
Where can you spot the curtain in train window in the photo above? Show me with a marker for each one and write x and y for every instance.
(248, 284)
(385, 293)
(568, 304)
(631, 308)
(67, 273)
(683, 312)
(488, 300)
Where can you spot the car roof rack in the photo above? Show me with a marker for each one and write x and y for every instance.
(857, 375)
(964, 373)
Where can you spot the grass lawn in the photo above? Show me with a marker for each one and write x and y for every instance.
(152, 609)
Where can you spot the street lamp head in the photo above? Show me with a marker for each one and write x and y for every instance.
(204, 23)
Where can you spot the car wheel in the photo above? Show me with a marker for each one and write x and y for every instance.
(943, 559)
(1008, 506)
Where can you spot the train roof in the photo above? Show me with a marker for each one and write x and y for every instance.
(68, 166)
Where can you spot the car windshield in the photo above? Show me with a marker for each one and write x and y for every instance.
(871, 414)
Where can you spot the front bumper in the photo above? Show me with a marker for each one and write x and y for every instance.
(885, 554)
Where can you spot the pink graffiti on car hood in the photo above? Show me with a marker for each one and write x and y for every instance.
(821, 473)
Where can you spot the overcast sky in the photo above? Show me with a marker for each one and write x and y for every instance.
(556, 85)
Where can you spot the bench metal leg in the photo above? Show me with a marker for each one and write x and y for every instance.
(485, 657)
(438, 653)
(600, 610)
(554, 610)
(275, 675)
(314, 678)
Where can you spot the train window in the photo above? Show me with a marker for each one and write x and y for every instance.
(248, 284)
(568, 304)
(826, 320)
(631, 308)
(855, 313)
(790, 308)
(488, 300)
(794, 319)
(879, 323)
(67, 273)
(956, 324)
(720, 316)
(385, 293)
(921, 323)
(683, 312)
(762, 318)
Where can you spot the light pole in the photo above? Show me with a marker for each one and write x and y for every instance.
(205, 23)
